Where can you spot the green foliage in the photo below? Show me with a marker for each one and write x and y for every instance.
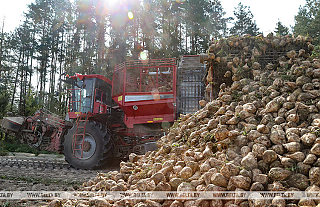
(10, 143)
(218, 22)
(244, 23)
(281, 30)
(3, 152)
(92, 37)
(308, 19)
(204, 19)
(32, 104)
(4, 100)
(316, 52)
(15, 146)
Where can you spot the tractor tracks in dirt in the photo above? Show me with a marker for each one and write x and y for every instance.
(46, 173)
(35, 163)
(25, 173)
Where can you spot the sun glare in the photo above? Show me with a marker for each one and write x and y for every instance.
(130, 15)
(112, 3)
(144, 55)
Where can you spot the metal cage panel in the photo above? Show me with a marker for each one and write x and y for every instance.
(190, 86)
(146, 90)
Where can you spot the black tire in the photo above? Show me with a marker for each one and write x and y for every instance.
(100, 147)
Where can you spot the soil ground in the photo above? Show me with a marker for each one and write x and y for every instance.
(25, 172)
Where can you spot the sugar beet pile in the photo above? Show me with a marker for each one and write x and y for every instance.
(261, 133)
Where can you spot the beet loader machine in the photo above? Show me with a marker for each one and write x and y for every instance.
(109, 119)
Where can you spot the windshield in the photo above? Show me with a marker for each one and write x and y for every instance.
(82, 92)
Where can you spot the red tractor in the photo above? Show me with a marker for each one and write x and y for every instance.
(115, 118)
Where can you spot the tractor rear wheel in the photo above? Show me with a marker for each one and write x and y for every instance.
(97, 147)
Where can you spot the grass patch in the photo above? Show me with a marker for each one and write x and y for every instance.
(15, 146)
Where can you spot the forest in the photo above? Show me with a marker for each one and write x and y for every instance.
(58, 37)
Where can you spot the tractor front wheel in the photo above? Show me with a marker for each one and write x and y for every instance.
(97, 147)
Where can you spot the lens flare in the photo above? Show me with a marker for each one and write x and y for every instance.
(130, 15)
(156, 95)
(180, 1)
(165, 125)
(143, 55)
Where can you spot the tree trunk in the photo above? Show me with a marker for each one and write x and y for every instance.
(1, 47)
(15, 84)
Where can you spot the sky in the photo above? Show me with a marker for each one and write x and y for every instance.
(266, 13)
(11, 11)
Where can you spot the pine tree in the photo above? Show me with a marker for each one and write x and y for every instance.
(307, 20)
(244, 23)
(302, 21)
(281, 29)
(5, 74)
(86, 37)
(149, 27)
(218, 23)
(197, 31)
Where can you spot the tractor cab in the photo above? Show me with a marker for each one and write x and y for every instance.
(89, 93)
